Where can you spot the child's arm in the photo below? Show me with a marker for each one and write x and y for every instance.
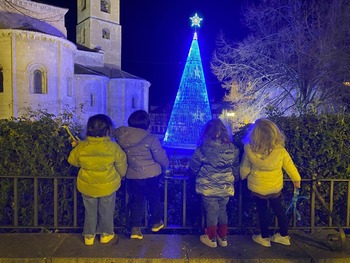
(296, 184)
(159, 154)
(235, 164)
(73, 157)
(121, 164)
(196, 161)
(245, 167)
(291, 170)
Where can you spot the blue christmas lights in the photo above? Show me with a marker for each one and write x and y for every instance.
(191, 110)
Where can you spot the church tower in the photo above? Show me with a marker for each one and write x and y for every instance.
(99, 28)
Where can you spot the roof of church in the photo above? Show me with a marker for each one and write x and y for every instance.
(84, 48)
(22, 22)
(108, 71)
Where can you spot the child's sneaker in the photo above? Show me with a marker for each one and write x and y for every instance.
(157, 227)
(105, 238)
(222, 241)
(277, 238)
(262, 241)
(209, 242)
(89, 240)
(136, 233)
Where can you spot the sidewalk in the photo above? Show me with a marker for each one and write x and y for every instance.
(154, 248)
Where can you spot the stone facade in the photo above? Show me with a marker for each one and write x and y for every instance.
(41, 69)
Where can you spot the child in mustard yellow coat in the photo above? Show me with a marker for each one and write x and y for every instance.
(102, 165)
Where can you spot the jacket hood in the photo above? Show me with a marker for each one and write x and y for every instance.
(269, 162)
(129, 136)
(219, 154)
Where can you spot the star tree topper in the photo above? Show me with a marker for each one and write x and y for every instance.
(196, 20)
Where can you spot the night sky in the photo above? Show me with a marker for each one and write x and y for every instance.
(157, 34)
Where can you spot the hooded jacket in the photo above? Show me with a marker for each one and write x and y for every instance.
(264, 173)
(215, 164)
(145, 155)
(102, 165)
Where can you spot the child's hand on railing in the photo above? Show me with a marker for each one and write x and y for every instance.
(296, 184)
(168, 172)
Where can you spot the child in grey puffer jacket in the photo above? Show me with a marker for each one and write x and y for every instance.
(146, 159)
(215, 162)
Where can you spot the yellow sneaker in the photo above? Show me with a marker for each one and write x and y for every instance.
(262, 241)
(105, 238)
(89, 240)
(157, 227)
(277, 238)
(136, 233)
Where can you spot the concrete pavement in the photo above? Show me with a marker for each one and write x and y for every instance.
(154, 248)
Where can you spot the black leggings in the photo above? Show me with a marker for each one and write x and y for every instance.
(140, 190)
(264, 216)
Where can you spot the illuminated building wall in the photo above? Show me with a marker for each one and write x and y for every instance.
(191, 110)
(41, 69)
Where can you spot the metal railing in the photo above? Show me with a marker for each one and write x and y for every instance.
(310, 225)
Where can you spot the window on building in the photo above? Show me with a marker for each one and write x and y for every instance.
(105, 6)
(1, 79)
(92, 99)
(133, 103)
(37, 78)
(105, 33)
(69, 87)
(38, 82)
(81, 36)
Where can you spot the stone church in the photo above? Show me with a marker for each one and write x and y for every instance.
(41, 69)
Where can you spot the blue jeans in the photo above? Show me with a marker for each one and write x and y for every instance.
(215, 210)
(99, 214)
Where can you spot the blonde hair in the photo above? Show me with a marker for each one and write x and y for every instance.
(264, 135)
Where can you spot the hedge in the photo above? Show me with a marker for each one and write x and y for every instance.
(38, 145)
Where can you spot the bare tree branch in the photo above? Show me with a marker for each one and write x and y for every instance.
(296, 57)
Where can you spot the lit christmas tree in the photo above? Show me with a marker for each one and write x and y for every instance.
(191, 110)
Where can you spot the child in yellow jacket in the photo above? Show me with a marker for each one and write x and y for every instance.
(263, 160)
(102, 165)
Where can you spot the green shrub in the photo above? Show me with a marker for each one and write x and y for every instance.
(38, 145)
(34, 145)
(318, 145)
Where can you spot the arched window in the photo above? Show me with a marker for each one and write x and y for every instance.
(105, 6)
(38, 82)
(37, 79)
(105, 33)
(1, 79)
